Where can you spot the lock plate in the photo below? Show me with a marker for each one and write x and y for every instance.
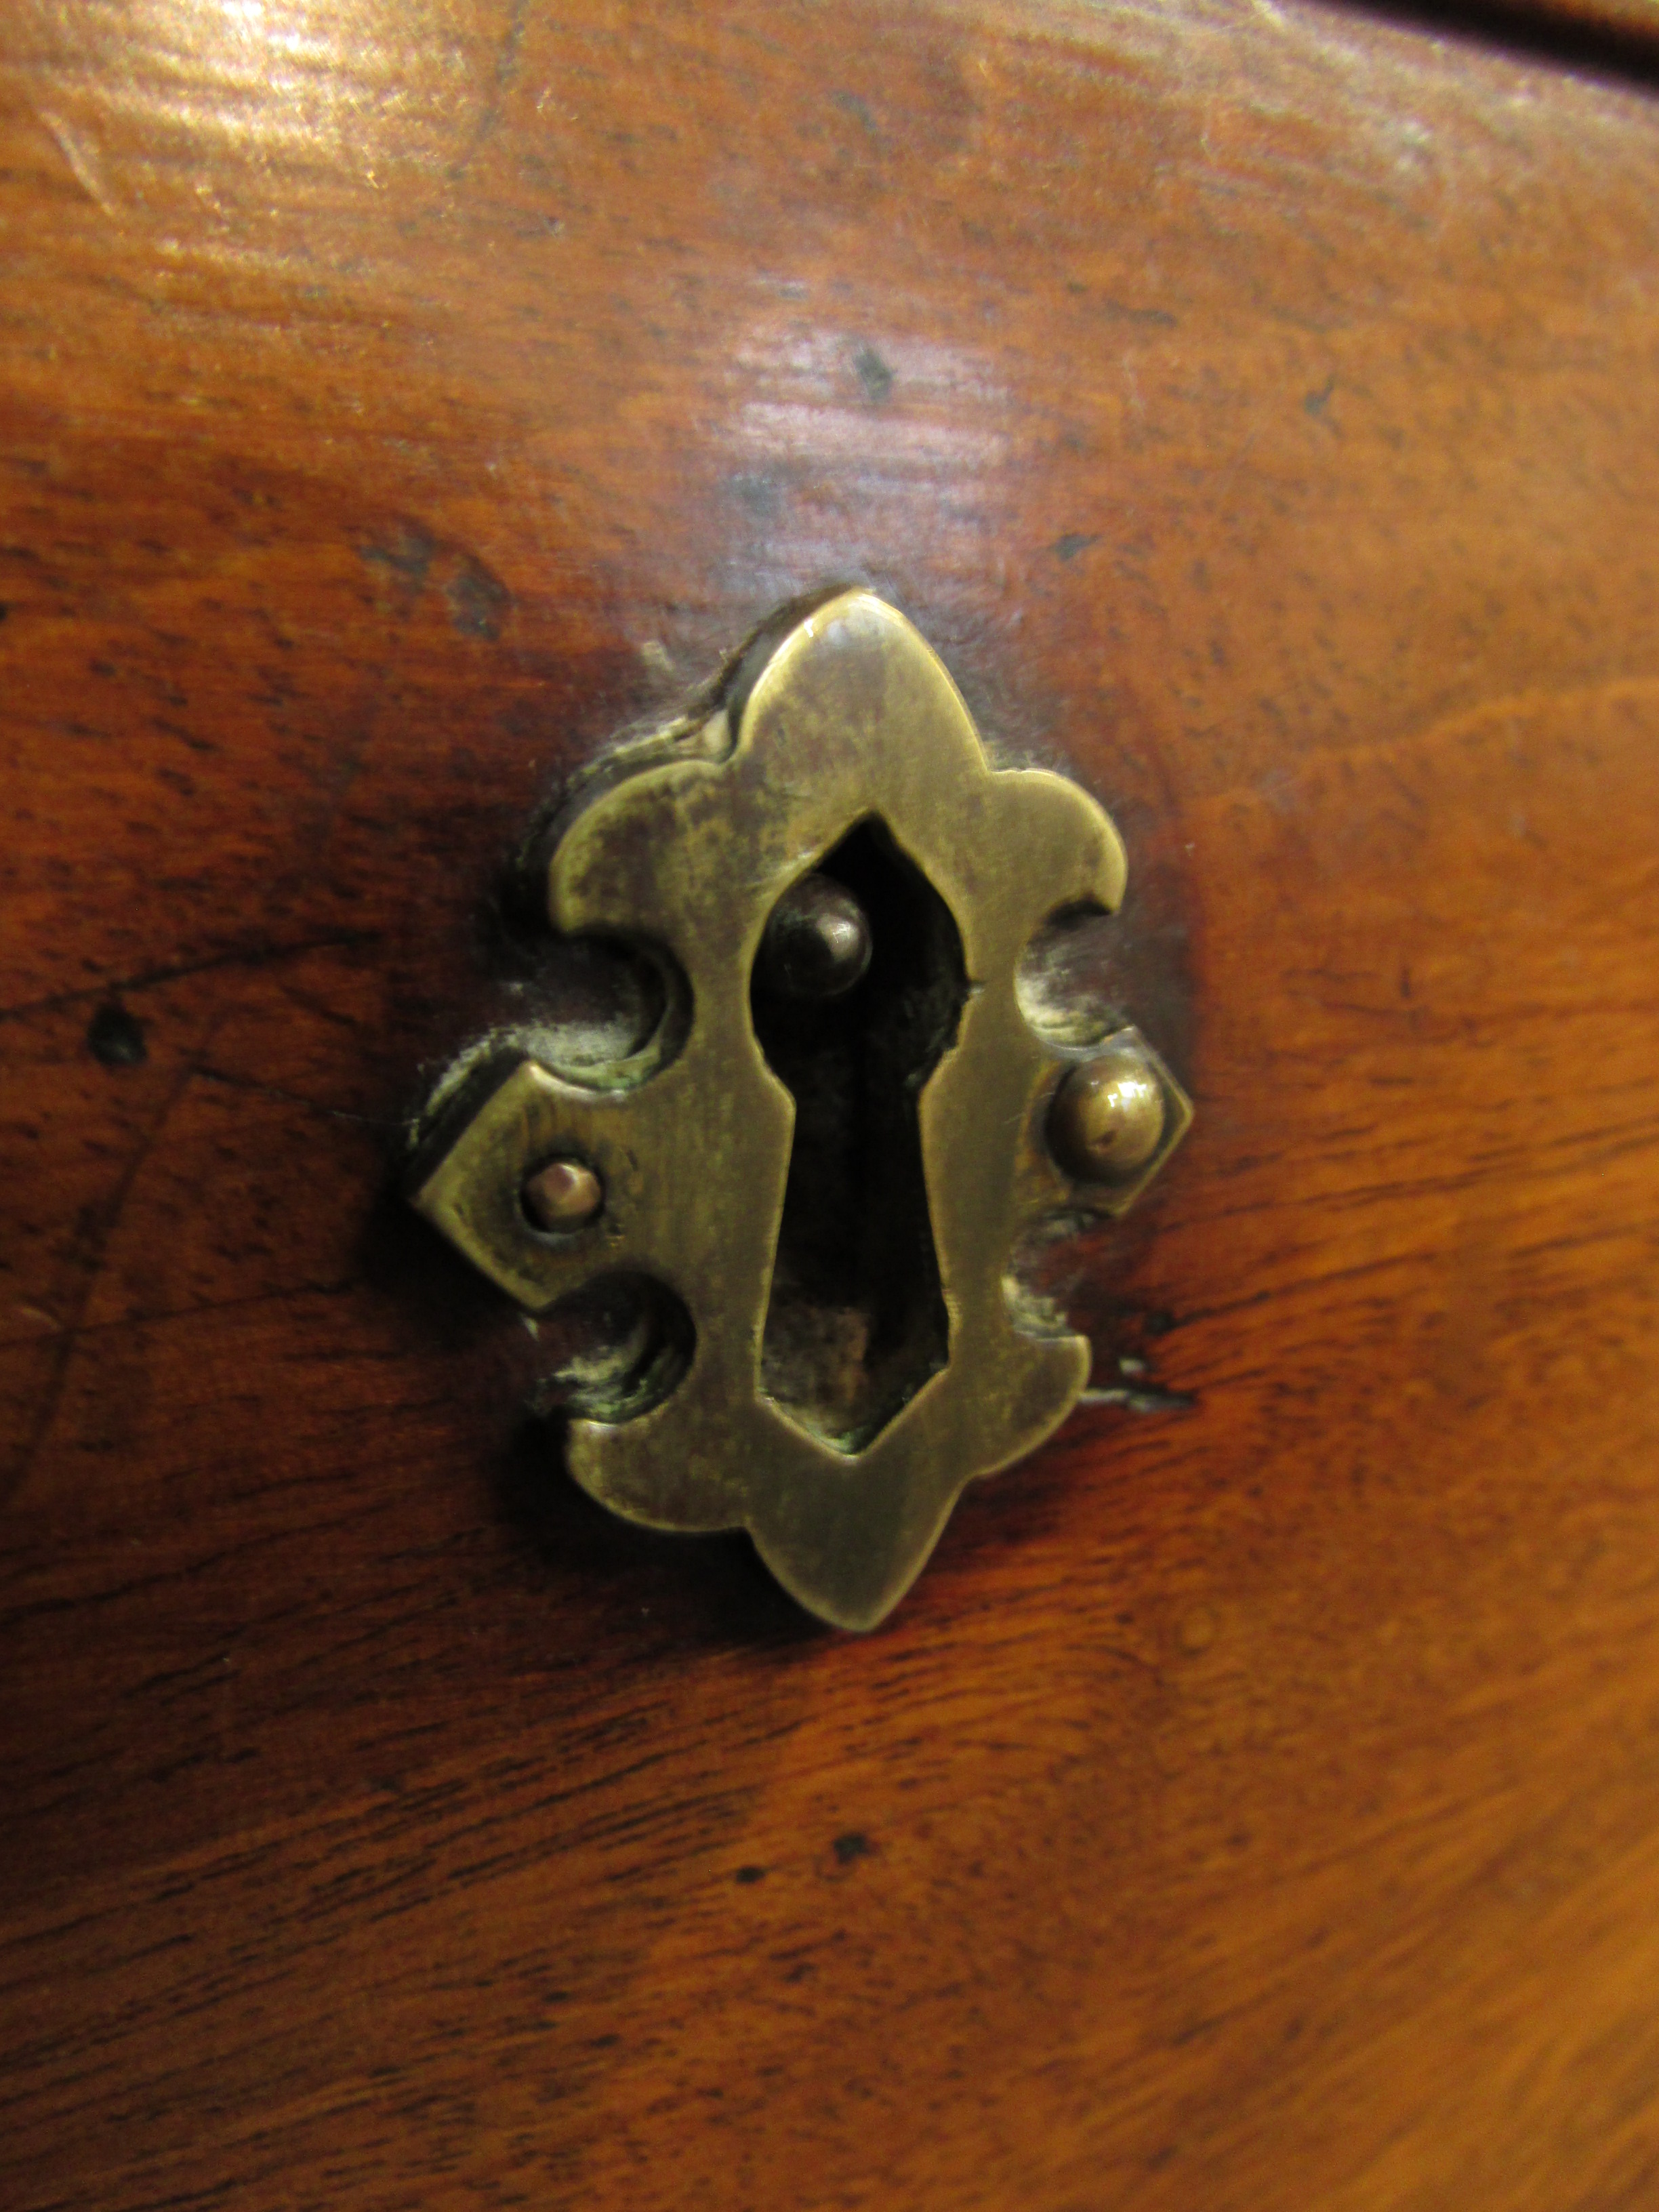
(848, 724)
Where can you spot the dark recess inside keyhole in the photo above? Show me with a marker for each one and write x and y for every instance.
(856, 1322)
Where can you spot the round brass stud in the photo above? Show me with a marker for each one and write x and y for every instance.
(1107, 1117)
(817, 941)
(563, 1196)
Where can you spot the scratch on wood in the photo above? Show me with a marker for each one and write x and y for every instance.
(97, 1246)
(83, 165)
(148, 979)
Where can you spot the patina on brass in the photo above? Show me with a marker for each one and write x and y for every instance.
(850, 719)
(817, 944)
(563, 1196)
(1107, 1120)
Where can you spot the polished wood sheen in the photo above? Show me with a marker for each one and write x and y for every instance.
(1256, 1804)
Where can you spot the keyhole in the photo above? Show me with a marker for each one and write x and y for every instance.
(856, 1322)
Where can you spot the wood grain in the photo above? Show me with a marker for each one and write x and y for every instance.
(1255, 1804)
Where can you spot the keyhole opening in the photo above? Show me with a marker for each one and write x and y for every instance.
(856, 1321)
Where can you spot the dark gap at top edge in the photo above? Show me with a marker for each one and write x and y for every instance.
(1592, 40)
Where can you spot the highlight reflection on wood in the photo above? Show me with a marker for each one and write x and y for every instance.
(1255, 1803)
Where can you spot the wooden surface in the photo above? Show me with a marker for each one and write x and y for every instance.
(1257, 1802)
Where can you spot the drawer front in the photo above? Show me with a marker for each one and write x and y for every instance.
(1254, 1804)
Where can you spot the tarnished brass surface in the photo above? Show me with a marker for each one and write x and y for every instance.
(562, 1197)
(852, 718)
(1109, 1116)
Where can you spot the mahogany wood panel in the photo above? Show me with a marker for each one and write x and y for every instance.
(1257, 1802)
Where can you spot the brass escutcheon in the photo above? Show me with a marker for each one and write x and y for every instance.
(824, 1171)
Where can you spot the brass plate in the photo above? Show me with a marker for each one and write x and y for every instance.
(852, 717)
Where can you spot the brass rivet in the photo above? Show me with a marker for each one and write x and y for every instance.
(817, 941)
(563, 1195)
(1107, 1117)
